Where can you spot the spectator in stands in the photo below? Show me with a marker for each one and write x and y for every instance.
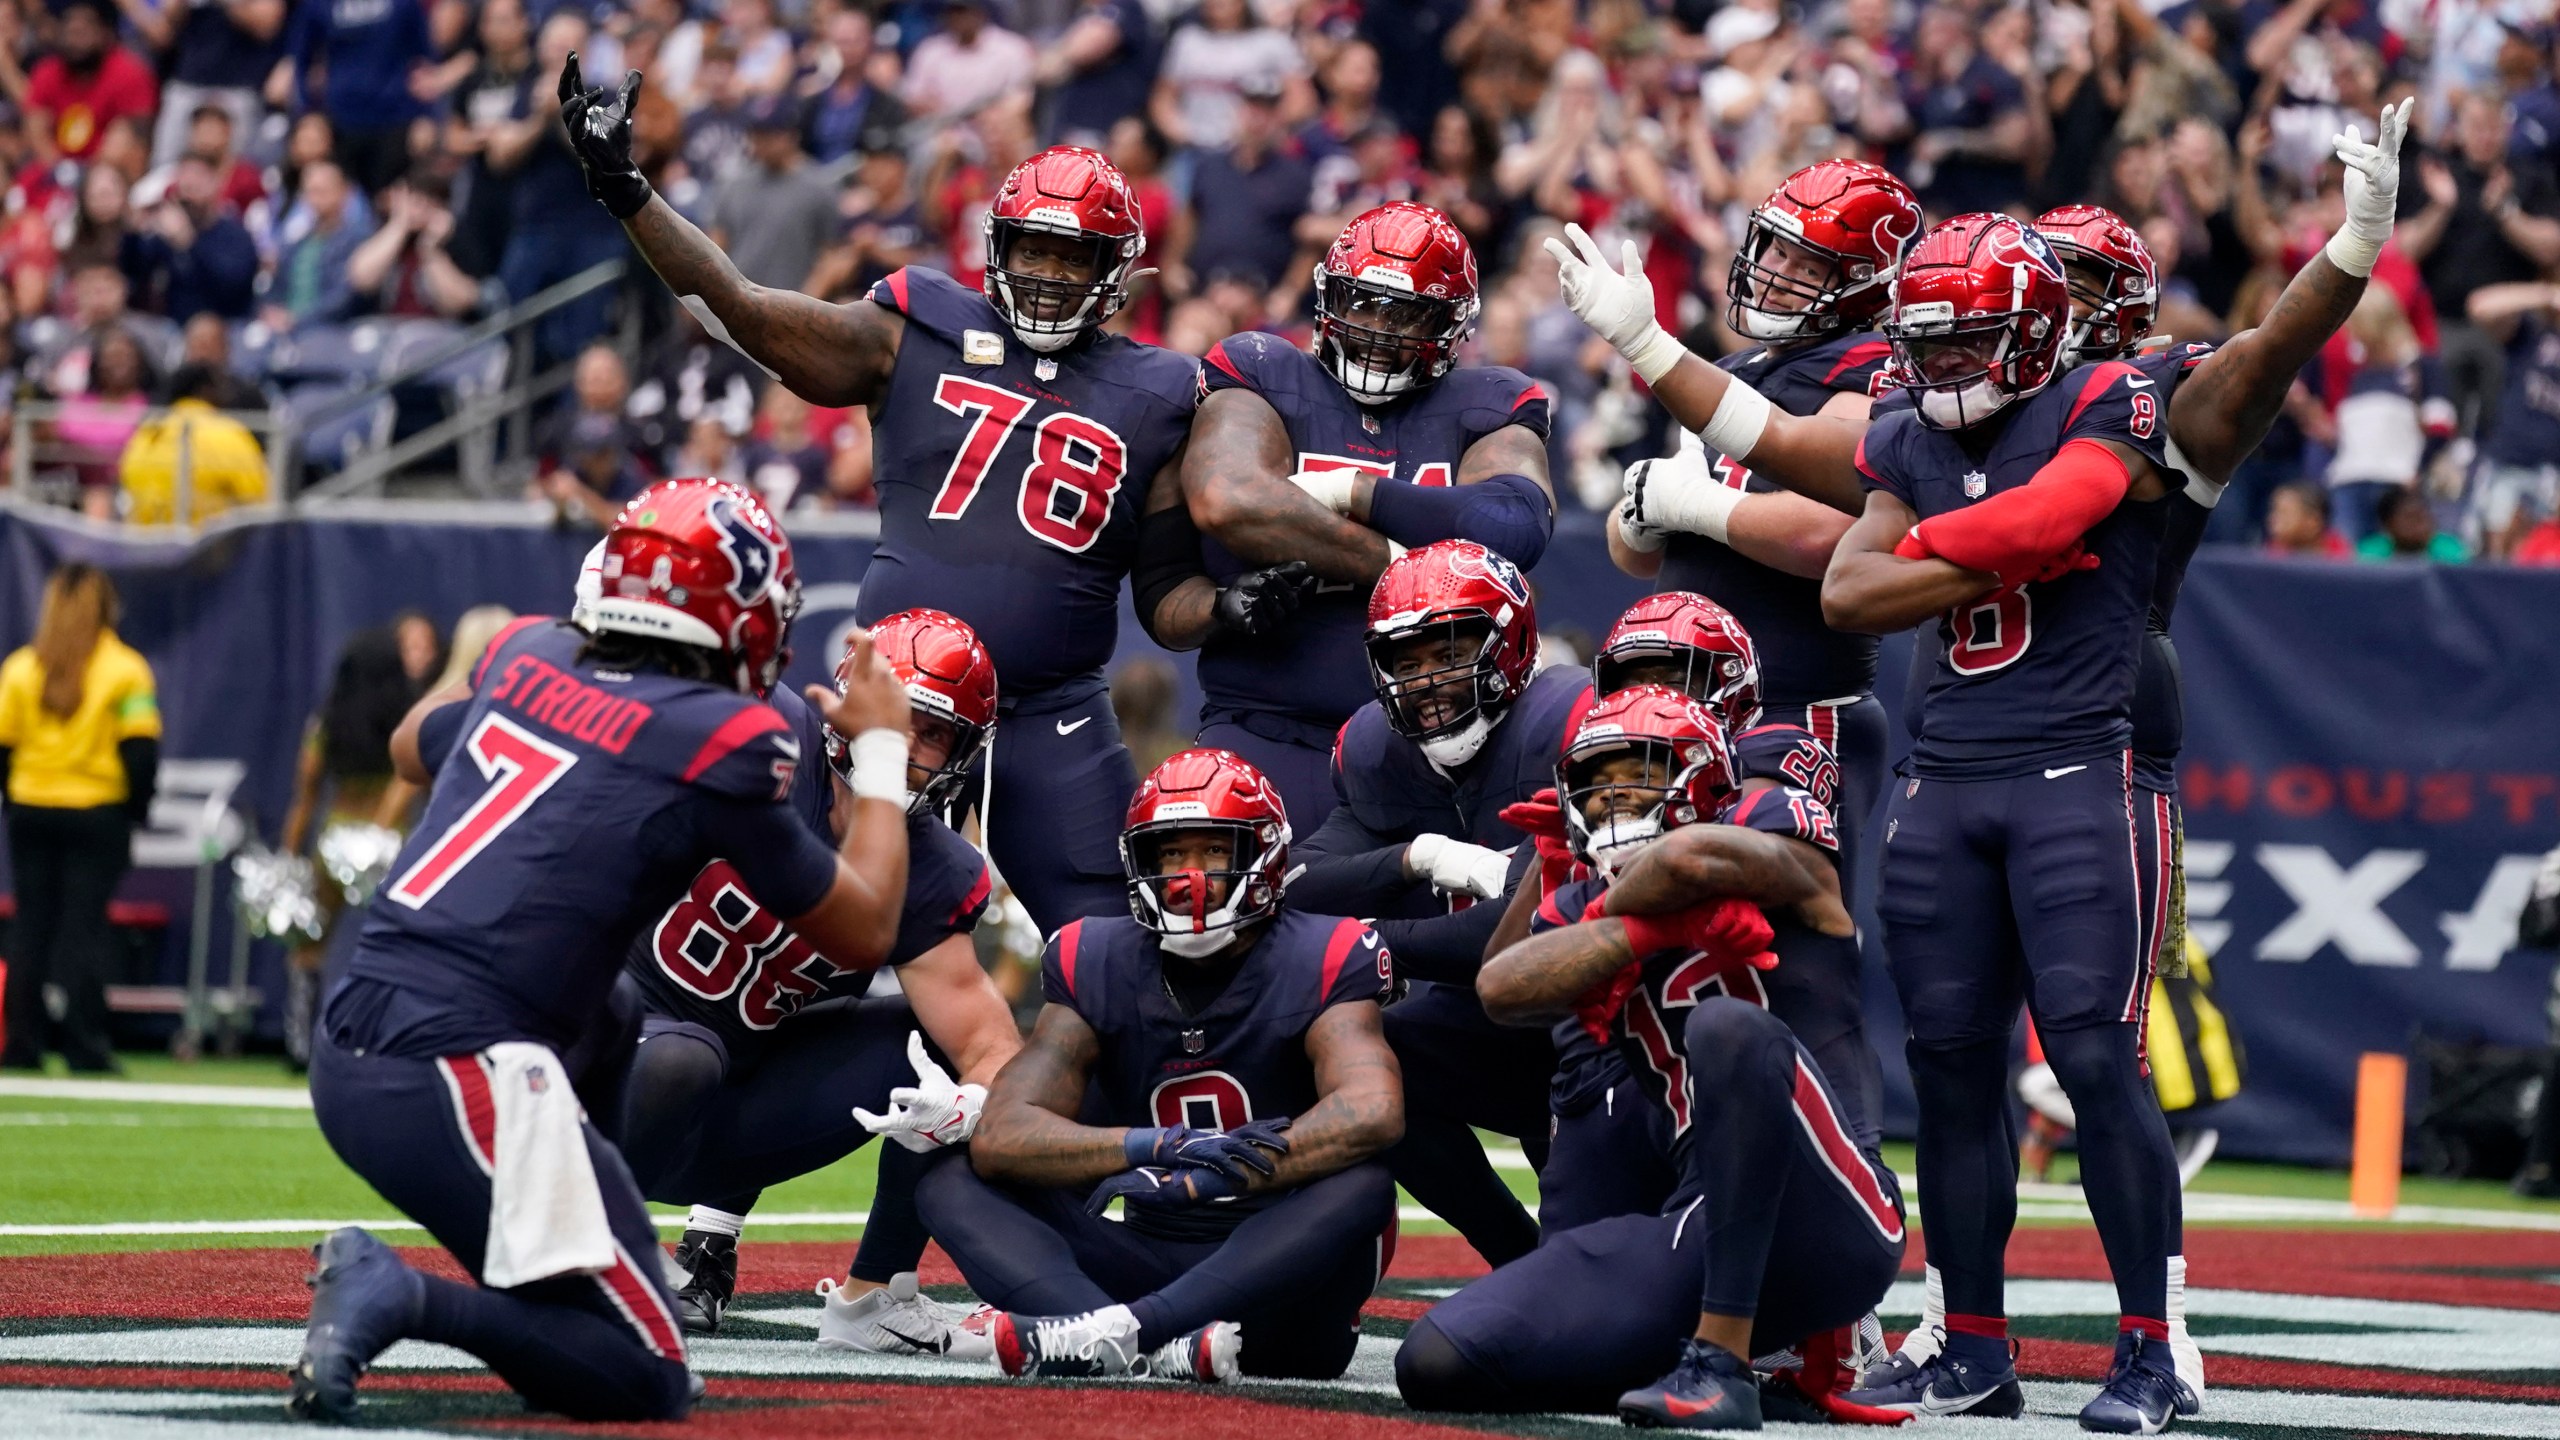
(849, 465)
(775, 216)
(1372, 171)
(403, 269)
(2408, 532)
(1457, 178)
(1099, 70)
(484, 106)
(1414, 42)
(192, 462)
(1218, 66)
(86, 85)
(1350, 88)
(2517, 481)
(1246, 199)
(216, 53)
(967, 64)
(97, 420)
(79, 758)
(782, 460)
(192, 256)
(589, 460)
(212, 135)
(715, 131)
(1139, 149)
(370, 53)
(99, 226)
(881, 227)
(2480, 223)
(764, 51)
(1970, 125)
(2392, 418)
(556, 232)
(969, 162)
(2298, 524)
(29, 263)
(207, 343)
(687, 374)
(848, 112)
(310, 285)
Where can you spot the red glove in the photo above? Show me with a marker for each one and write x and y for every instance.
(1542, 820)
(1732, 932)
(2075, 558)
(1598, 1007)
(1915, 546)
(1823, 1381)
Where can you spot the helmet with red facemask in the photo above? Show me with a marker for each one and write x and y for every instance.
(1078, 195)
(1453, 639)
(1394, 296)
(1690, 643)
(1216, 791)
(948, 677)
(2111, 272)
(1855, 219)
(700, 562)
(1980, 307)
(1683, 773)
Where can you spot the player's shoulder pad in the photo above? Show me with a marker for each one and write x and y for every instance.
(1851, 362)
(1880, 451)
(1786, 810)
(1071, 965)
(1256, 360)
(521, 631)
(1790, 755)
(948, 884)
(1166, 375)
(1551, 708)
(942, 305)
(813, 794)
(1490, 397)
(2115, 400)
(1360, 751)
(1564, 904)
(732, 744)
(1352, 962)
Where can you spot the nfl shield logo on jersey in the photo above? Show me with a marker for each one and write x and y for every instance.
(1975, 482)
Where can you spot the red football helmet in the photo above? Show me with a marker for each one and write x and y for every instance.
(1690, 643)
(948, 677)
(1453, 639)
(2111, 272)
(1980, 307)
(699, 562)
(1213, 790)
(1686, 772)
(1071, 192)
(1394, 296)
(1854, 219)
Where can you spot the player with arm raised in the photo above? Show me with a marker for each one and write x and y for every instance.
(1375, 443)
(584, 781)
(1229, 1048)
(747, 1074)
(1018, 447)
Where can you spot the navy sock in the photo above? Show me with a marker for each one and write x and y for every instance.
(1975, 1347)
(1968, 1162)
(893, 1240)
(2128, 1167)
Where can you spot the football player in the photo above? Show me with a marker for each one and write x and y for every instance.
(1452, 651)
(585, 778)
(1375, 443)
(1231, 1050)
(747, 1076)
(1017, 444)
(1783, 1227)
(1810, 282)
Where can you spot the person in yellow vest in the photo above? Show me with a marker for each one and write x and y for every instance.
(79, 753)
(225, 466)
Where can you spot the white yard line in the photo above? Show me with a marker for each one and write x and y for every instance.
(255, 1097)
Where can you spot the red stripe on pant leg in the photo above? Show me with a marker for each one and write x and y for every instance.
(639, 1302)
(1824, 722)
(475, 1109)
(1840, 1155)
(2133, 1004)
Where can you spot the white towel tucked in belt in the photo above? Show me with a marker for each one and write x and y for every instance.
(546, 1216)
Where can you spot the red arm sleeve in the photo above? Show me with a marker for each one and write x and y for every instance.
(2022, 528)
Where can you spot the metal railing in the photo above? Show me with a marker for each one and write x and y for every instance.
(44, 464)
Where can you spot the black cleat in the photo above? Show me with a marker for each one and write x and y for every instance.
(710, 1263)
(363, 1297)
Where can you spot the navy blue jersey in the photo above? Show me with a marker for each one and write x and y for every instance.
(1802, 660)
(1241, 1058)
(1011, 482)
(1316, 669)
(1649, 1028)
(720, 959)
(2159, 711)
(571, 807)
(1788, 755)
(1395, 791)
(2040, 675)
(2527, 430)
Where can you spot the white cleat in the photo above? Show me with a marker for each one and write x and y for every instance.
(1096, 1344)
(894, 1320)
(1209, 1355)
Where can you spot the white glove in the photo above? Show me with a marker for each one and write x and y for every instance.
(1677, 493)
(2372, 191)
(931, 1113)
(1618, 304)
(1456, 867)
(1328, 488)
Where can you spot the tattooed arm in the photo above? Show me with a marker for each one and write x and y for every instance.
(1539, 979)
(2221, 412)
(1029, 1134)
(1360, 1106)
(1236, 479)
(1700, 862)
(838, 355)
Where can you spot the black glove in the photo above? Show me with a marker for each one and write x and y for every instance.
(1263, 601)
(600, 136)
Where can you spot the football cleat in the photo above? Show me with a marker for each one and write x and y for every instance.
(1710, 1389)
(2143, 1395)
(363, 1297)
(1950, 1384)
(708, 1261)
(1076, 1347)
(894, 1320)
(1206, 1356)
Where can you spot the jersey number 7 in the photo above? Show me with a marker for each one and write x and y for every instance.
(519, 766)
(1076, 464)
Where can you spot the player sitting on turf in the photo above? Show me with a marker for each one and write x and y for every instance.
(761, 1060)
(1233, 1051)
(1784, 1228)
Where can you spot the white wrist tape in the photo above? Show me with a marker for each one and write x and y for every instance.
(1643, 539)
(880, 767)
(2355, 253)
(1741, 417)
(1654, 352)
(1701, 507)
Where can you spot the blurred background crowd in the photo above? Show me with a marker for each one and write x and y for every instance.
(198, 182)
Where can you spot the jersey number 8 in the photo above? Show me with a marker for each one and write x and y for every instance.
(1075, 470)
(1990, 634)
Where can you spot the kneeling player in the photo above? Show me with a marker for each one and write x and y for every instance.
(1784, 1227)
(761, 1060)
(1235, 1053)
